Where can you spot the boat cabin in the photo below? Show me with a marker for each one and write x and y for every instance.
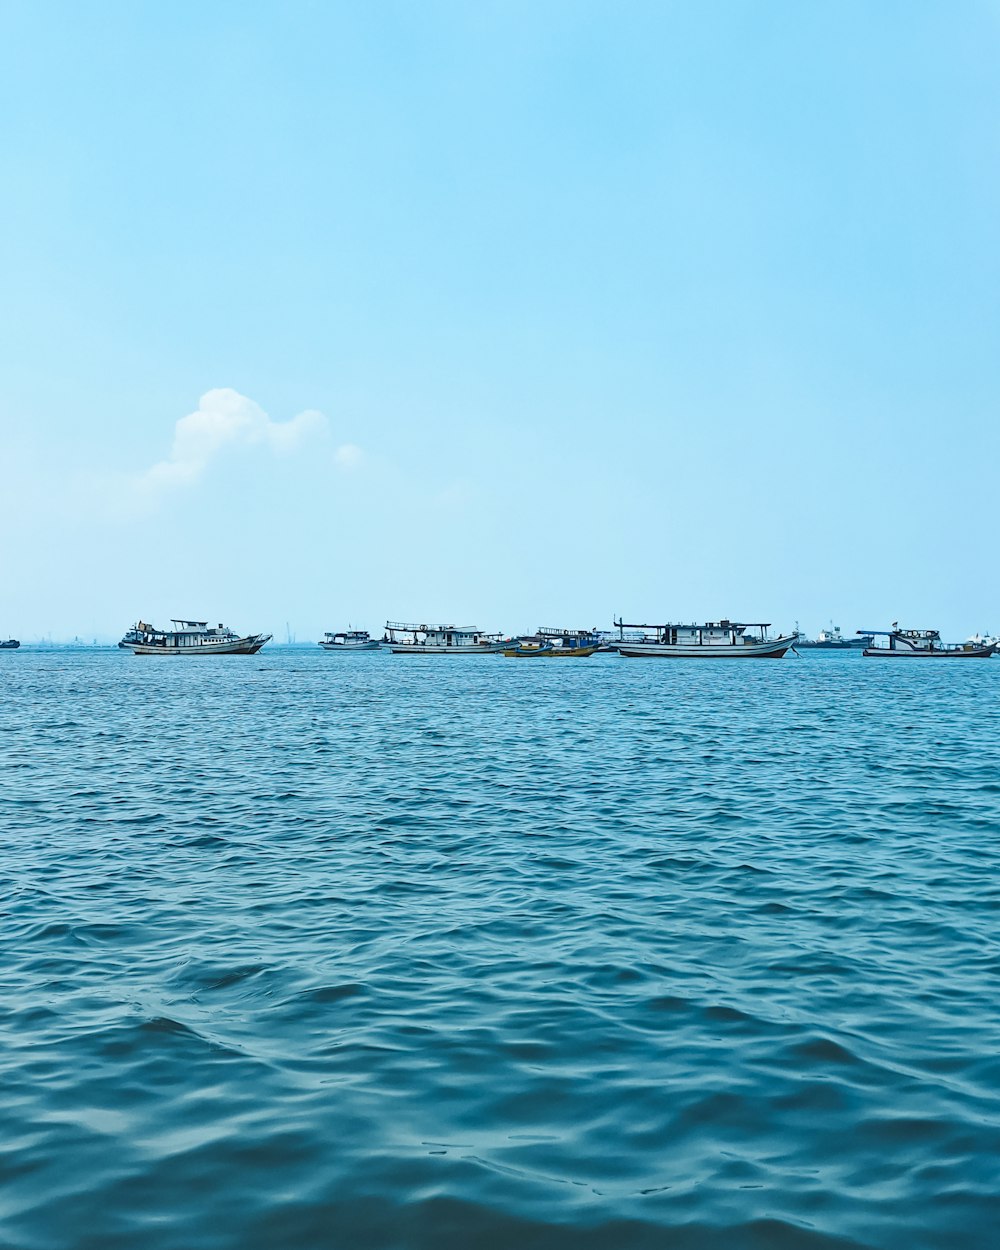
(411, 634)
(347, 637)
(724, 633)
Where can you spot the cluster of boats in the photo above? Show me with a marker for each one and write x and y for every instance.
(716, 640)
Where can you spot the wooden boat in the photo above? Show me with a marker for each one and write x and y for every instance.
(191, 638)
(913, 644)
(407, 638)
(9, 644)
(562, 643)
(715, 640)
(349, 640)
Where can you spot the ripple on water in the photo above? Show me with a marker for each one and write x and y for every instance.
(326, 952)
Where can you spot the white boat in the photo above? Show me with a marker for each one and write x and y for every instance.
(349, 640)
(715, 640)
(909, 644)
(405, 638)
(833, 640)
(191, 638)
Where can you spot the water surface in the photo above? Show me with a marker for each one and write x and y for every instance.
(315, 950)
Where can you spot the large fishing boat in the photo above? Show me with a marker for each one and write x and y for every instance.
(349, 640)
(405, 638)
(9, 644)
(833, 640)
(548, 641)
(715, 640)
(191, 638)
(912, 644)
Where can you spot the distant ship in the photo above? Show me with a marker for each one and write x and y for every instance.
(190, 638)
(910, 644)
(349, 640)
(833, 640)
(11, 644)
(403, 638)
(715, 640)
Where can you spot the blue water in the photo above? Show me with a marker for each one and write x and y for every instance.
(306, 950)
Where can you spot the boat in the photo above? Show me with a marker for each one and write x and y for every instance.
(833, 640)
(576, 643)
(9, 644)
(912, 644)
(349, 640)
(405, 638)
(548, 641)
(715, 640)
(191, 638)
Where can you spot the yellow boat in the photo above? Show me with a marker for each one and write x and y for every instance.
(561, 643)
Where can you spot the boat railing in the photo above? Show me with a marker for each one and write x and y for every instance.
(410, 627)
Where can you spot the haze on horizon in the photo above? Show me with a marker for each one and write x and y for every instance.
(498, 313)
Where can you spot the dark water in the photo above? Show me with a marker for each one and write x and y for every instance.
(360, 951)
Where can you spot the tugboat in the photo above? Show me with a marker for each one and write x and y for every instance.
(11, 644)
(912, 644)
(715, 640)
(191, 638)
(403, 638)
(576, 643)
(349, 640)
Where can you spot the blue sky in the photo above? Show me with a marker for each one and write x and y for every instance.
(673, 310)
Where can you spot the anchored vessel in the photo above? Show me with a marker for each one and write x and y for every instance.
(547, 641)
(190, 638)
(403, 638)
(833, 640)
(914, 644)
(715, 640)
(349, 640)
(10, 644)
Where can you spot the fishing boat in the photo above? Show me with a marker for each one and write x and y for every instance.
(547, 641)
(912, 644)
(191, 638)
(405, 638)
(9, 644)
(833, 640)
(715, 640)
(349, 640)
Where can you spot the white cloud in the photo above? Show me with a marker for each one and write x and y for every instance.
(225, 418)
(349, 456)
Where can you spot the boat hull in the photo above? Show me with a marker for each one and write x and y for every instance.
(351, 646)
(912, 653)
(773, 649)
(9, 644)
(416, 648)
(564, 653)
(237, 646)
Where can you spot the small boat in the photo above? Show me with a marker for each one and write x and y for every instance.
(578, 643)
(715, 640)
(912, 644)
(349, 640)
(10, 644)
(191, 638)
(833, 640)
(403, 638)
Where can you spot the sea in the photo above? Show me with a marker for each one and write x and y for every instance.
(317, 951)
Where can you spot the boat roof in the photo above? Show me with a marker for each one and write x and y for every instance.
(889, 633)
(723, 624)
(429, 629)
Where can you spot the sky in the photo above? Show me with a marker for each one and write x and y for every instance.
(317, 314)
